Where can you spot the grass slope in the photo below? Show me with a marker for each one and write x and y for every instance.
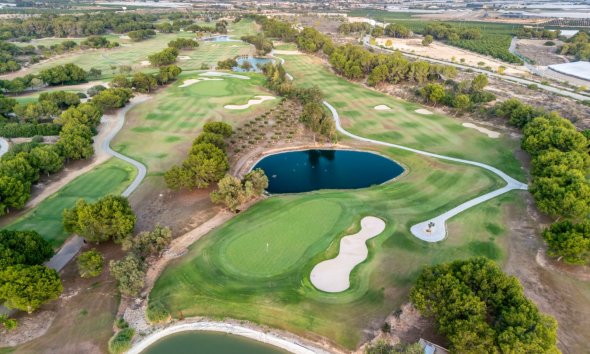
(112, 177)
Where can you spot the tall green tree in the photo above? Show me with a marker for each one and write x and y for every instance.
(109, 218)
(28, 287)
(23, 247)
(569, 240)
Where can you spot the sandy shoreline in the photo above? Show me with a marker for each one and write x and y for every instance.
(289, 343)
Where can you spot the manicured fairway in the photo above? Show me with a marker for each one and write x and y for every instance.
(402, 125)
(174, 117)
(112, 177)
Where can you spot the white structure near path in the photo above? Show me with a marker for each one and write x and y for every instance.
(333, 275)
(270, 338)
(434, 230)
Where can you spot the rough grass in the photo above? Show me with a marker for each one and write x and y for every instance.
(174, 117)
(112, 177)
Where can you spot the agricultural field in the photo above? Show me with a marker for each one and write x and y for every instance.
(112, 177)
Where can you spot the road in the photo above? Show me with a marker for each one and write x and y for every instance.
(518, 80)
(438, 232)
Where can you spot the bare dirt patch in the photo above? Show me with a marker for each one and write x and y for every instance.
(539, 53)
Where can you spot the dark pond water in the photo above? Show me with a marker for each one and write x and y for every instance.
(255, 64)
(209, 343)
(309, 170)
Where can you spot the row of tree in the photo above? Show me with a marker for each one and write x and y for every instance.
(541, 33)
(355, 27)
(480, 309)
(262, 44)
(463, 96)
(578, 46)
(446, 31)
(206, 162)
(145, 83)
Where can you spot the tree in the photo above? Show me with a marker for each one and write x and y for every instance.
(94, 90)
(427, 40)
(112, 98)
(461, 102)
(230, 192)
(168, 73)
(397, 31)
(75, 141)
(555, 132)
(61, 99)
(480, 309)
(13, 194)
(211, 138)
(46, 159)
(220, 128)
(568, 240)
(165, 57)
(110, 217)
(90, 263)
(143, 82)
(129, 273)
(120, 81)
(433, 93)
(479, 82)
(183, 43)
(18, 167)
(205, 164)
(377, 32)
(149, 243)
(255, 182)
(28, 287)
(378, 75)
(563, 196)
(23, 247)
(36, 111)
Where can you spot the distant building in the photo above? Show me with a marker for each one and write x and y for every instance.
(578, 69)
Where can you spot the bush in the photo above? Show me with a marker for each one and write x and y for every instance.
(90, 264)
(156, 313)
(549, 43)
(121, 341)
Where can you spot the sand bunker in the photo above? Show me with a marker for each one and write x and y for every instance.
(184, 57)
(189, 82)
(382, 107)
(423, 111)
(253, 102)
(145, 63)
(124, 37)
(217, 73)
(333, 275)
(492, 134)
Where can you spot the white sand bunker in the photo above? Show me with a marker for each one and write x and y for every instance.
(333, 275)
(124, 37)
(423, 111)
(184, 57)
(189, 82)
(490, 133)
(382, 107)
(253, 102)
(145, 63)
(217, 73)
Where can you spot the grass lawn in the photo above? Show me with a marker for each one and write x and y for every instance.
(112, 177)
(229, 273)
(174, 117)
(402, 125)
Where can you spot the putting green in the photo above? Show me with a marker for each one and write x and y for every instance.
(111, 177)
(265, 247)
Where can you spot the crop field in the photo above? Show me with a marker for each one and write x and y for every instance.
(401, 124)
(112, 177)
(173, 118)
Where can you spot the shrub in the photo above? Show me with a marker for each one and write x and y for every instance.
(156, 313)
(121, 341)
(90, 264)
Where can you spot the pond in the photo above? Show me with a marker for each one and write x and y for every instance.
(254, 64)
(309, 170)
(209, 342)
